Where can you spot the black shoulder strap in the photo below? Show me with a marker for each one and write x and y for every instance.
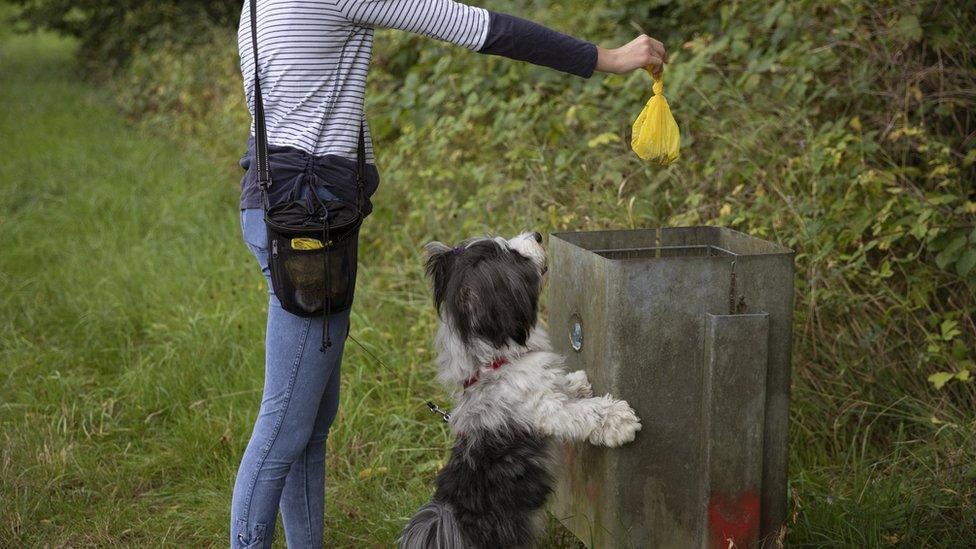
(361, 166)
(261, 130)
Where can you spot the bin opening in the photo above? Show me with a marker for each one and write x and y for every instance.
(670, 243)
(664, 251)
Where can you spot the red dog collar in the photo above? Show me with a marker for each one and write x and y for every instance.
(498, 363)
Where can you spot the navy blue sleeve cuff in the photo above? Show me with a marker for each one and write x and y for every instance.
(523, 40)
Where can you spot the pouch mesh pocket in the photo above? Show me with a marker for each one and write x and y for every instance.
(310, 282)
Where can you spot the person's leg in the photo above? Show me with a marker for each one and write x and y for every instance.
(303, 499)
(298, 375)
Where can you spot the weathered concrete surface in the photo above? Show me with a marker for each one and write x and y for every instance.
(693, 327)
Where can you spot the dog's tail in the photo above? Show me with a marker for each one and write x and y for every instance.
(433, 527)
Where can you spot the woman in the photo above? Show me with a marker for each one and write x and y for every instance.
(314, 56)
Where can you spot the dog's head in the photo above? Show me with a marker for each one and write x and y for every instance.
(487, 289)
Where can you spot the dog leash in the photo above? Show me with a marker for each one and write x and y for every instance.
(434, 408)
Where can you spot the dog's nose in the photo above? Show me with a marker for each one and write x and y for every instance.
(537, 237)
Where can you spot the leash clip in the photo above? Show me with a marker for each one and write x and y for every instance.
(434, 408)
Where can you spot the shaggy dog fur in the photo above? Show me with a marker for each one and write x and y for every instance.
(513, 398)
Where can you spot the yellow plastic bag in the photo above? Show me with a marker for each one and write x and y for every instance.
(656, 136)
(306, 244)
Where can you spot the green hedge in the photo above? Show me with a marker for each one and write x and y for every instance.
(840, 129)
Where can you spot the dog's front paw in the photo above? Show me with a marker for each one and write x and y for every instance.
(620, 426)
(578, 385)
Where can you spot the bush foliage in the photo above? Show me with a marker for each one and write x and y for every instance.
(841, 129)
(110, 31)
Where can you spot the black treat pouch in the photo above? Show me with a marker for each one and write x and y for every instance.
(313, 254)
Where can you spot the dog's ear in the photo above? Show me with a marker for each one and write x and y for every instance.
(440, 263)
(498, 301)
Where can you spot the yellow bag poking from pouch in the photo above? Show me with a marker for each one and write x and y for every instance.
(656, 136)
(306, 244)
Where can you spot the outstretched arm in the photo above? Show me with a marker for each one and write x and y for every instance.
(502, 34)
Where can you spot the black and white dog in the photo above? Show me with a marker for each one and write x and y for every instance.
(513, 398)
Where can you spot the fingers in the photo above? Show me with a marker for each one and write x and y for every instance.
(656, 64)
(656, 47)
(654, 51)
(640, 52)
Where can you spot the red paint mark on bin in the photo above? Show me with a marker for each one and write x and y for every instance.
(733, 523)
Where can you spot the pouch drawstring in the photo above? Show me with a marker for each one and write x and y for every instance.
(326, 335)
(326, 264)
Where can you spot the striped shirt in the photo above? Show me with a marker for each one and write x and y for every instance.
(314, 57)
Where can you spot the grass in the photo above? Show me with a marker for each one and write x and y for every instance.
(116, 368)
(131, 345)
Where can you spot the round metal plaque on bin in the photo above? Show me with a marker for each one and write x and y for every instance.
(576, 333)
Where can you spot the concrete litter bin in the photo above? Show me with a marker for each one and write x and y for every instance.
(692, 326)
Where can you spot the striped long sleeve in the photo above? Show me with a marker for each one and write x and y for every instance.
(453, 22)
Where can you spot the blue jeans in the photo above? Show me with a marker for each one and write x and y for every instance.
(284, 462)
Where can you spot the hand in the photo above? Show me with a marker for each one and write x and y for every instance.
(640, 52)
